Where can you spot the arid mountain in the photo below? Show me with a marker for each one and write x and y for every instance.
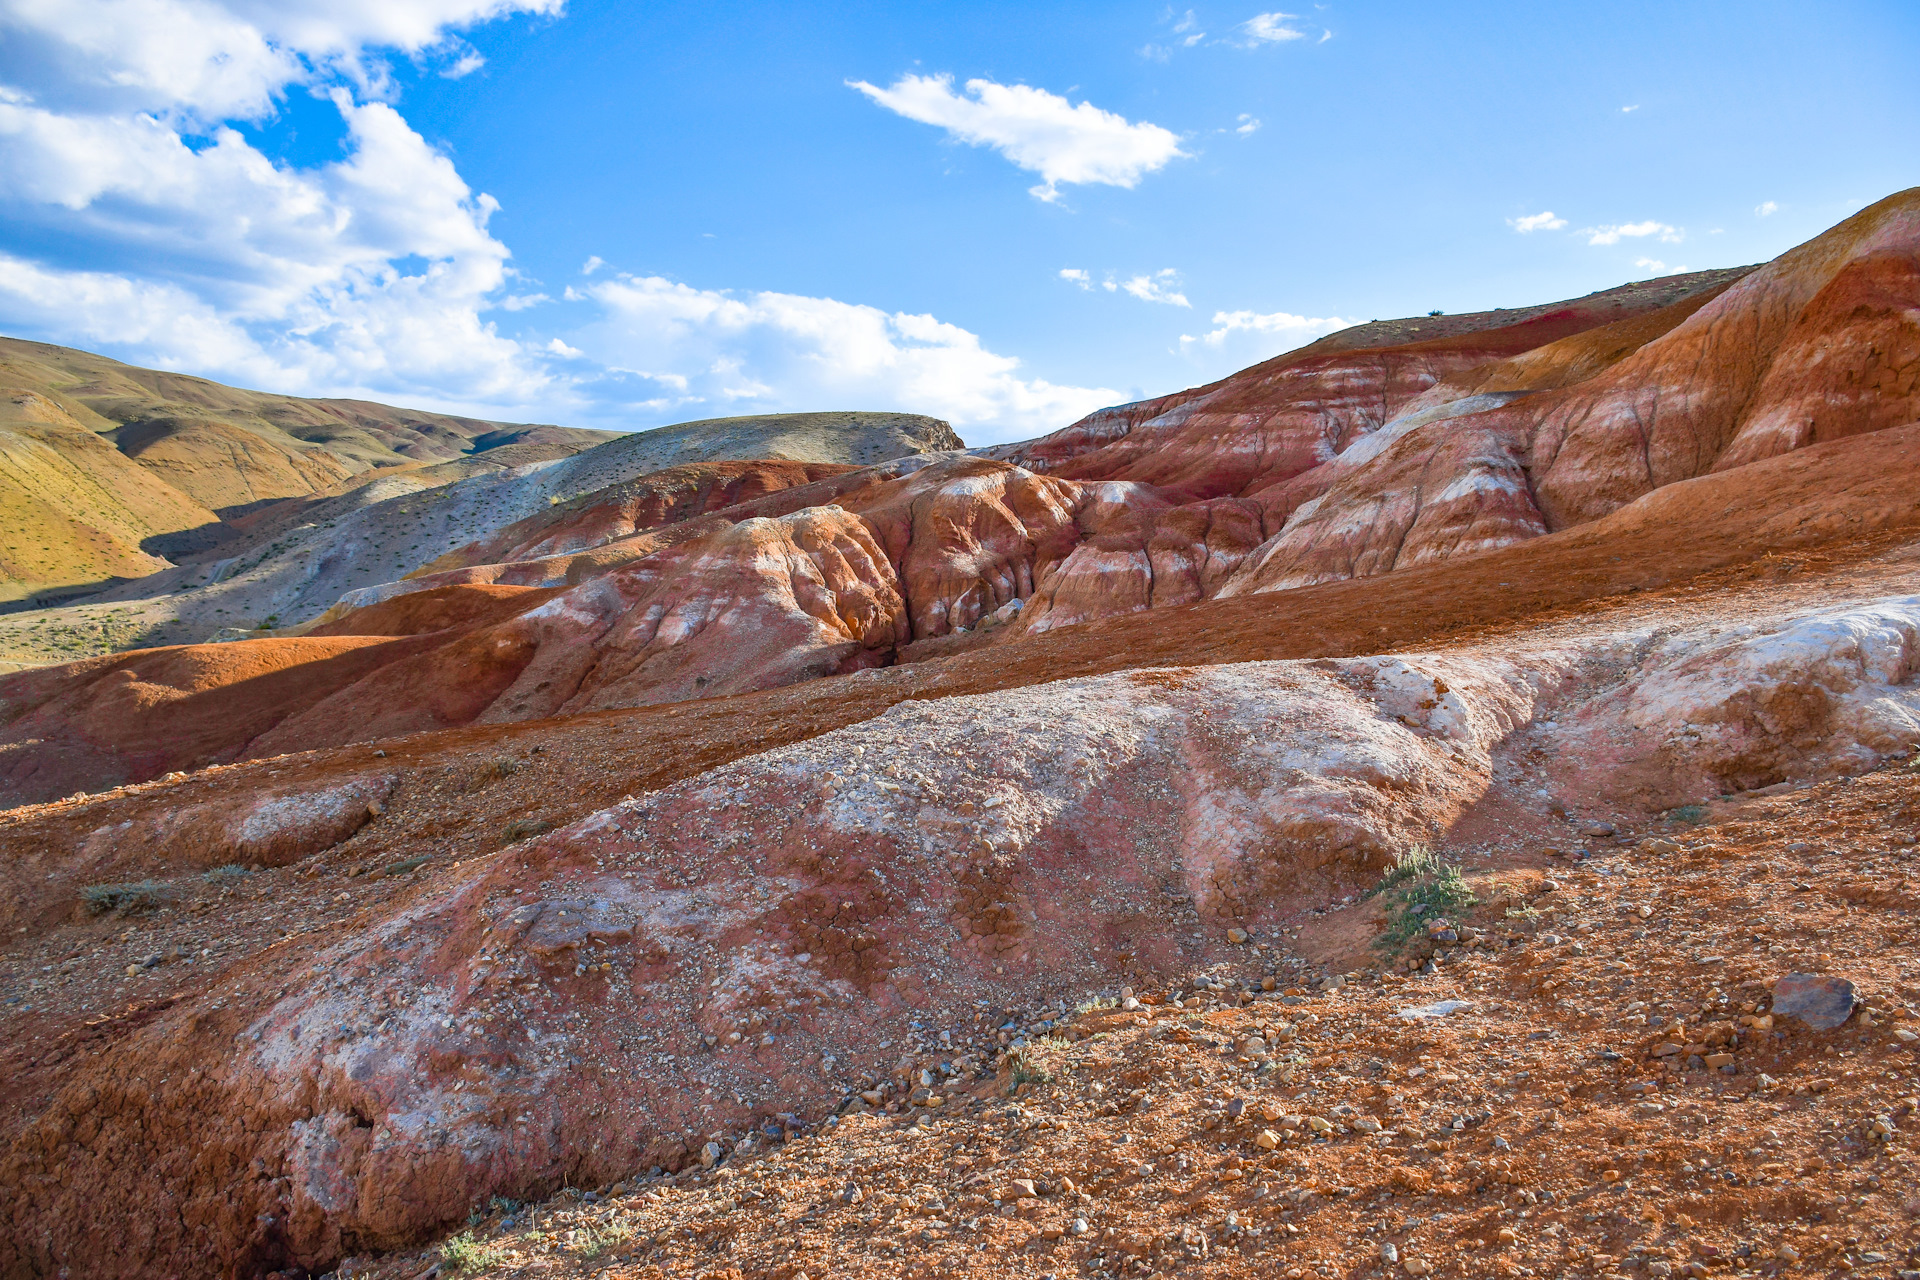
(109, 471)
(1445, 789)
(282, 564)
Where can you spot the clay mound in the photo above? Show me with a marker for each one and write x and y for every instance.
(304, 559)
(453, 608)
(633, 506)
(1269, 423)
(1735, 381)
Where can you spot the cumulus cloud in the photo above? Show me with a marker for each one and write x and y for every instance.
(1077, 275)
(1765, 209)
(1271, 28)
(1537, 222)
(136, 218)
(762, 352)
(1292, 330)
(1161, 286)
(1038, 131)
(1638, 230)
(175, 240)
(1248, 124)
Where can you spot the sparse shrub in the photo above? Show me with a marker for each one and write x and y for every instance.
(501, 767)
(1688, 813)
(136, 896)
(525, 829)
(1419, 879)
(463, 1253)
(1027, 1071)
(225, 875)
(595, 1239)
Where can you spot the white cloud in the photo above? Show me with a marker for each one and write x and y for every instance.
(1038, 131)
(1248, 124)
(1078, 276)
(1639, 230)
(1629, 110)
(1652, 265)
(180, 243)
(762, 352)
(1161, 286)
(1537, 222)
(1271, 28)
(212, 60)
(1765, 209)
(1292, 330)
(592, 264)
(161, 234)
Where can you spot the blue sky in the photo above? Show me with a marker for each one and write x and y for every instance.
(1006, 215)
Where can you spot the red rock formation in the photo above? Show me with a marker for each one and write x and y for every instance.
(1822, 343)
(646, 502)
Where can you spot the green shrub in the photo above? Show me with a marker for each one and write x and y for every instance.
(1420, 879)
(1688, 813)
(464, 1253)
(1027, 1071)
(224, 875)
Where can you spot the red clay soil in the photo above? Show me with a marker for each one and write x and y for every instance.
(225, 949)
(183, 708)
(1616, 1091)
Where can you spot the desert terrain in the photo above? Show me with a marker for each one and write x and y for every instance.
(1441, 801)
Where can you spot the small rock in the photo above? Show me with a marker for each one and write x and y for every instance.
(1237, 1108)
(1267, 1140)
(1389, 1252)
(1079, 1227)
(710, 1155)
(1821, 1003)
(1025, 1187)
(1417, 1266)
(1236, 936)
(1786, 1253)
(1506, 1235)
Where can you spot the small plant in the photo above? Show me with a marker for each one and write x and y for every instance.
(501, 767)
(464, 1253)
(1420, 888)
(1027, 1071)
(1417, 861)
(127, 899)
(224, 875)
(593, 1240)
(525, 829)
(1688, 813)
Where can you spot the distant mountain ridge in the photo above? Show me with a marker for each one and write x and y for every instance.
(109, 470)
